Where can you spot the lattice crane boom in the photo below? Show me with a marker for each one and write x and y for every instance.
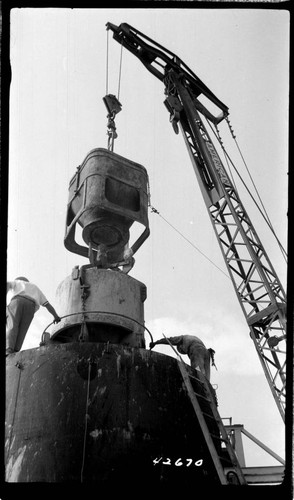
(257, 286)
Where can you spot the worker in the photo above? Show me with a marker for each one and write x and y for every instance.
(191, 345)
(26, 299)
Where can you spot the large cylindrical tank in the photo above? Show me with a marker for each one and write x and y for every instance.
(110, 302)
(102, 412)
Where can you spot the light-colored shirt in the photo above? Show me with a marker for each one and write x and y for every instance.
(27, 289)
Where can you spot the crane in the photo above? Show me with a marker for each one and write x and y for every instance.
(257, 286)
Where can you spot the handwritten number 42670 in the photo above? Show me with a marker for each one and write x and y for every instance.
(178, 463)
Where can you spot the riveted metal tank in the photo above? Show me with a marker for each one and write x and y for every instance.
(110, 302)
(95, 412)
(107, 195)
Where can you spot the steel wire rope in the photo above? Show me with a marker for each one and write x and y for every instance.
(112, 135)
(86, 422)
(100, 312)
(251, 178)
(107, 66)
(248, 171)
(119, 74)
(20, 367)
(154, 210)
(107, 60)
(266, 218)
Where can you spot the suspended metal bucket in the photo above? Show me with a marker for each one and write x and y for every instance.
(107, 195)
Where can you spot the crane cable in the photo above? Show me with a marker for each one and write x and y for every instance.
(107, 66)
(264, 215)
(120, 66)
(246, 166)
(107, 62)
(86, 423)
(154, 210)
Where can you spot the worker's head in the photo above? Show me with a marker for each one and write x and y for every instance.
(21, 278)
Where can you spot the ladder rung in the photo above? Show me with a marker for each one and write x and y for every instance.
(207, 415)
(223, 459)
(203, 382)
(203, 397)
(231, 459)
(216, 437)
(216, 417)
(219, 438)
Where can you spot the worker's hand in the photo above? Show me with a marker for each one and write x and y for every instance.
(57, 319)
(151, 345)
(128, 253)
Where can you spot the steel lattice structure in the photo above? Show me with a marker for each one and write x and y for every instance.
(255, 281)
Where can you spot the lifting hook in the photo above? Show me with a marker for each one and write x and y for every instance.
(113, 107)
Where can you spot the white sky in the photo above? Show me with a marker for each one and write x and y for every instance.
(58, 59)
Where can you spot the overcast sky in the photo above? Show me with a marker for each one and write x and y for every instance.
(58, 60)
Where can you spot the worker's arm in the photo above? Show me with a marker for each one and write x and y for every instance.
(170, 340)
(52, 311)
